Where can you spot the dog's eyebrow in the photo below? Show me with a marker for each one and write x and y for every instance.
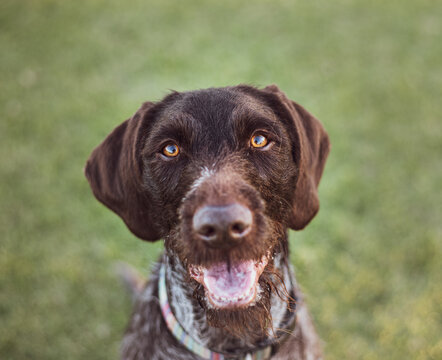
(178, 128)
(248, 122)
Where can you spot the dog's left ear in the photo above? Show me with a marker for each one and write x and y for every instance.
(310, 146)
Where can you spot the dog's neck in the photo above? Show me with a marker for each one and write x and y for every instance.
(191, 316)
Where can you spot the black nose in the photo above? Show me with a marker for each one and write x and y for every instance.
(222, 226)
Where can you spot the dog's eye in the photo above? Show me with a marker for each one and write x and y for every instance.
(258, 141)
(171, 150)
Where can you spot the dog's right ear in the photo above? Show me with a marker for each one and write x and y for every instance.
(114, 171)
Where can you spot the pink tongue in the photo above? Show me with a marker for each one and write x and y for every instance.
(236, 282)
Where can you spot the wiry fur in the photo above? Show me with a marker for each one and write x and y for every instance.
(158, 196)
(225, 330)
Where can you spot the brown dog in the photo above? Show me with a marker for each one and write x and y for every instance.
(220, 175)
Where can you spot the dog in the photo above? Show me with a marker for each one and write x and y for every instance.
(220, 175)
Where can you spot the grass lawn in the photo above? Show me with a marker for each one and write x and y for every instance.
(371, 71)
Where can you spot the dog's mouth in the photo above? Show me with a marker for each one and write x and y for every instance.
(231, 286)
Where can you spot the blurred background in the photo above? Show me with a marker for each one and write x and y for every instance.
(371, 71)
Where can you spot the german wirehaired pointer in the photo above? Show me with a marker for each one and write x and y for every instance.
(220, 175)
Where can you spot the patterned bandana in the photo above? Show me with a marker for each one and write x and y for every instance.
(185, 339)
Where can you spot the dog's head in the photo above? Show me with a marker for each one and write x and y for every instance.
(220, 174)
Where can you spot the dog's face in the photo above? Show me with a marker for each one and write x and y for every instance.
(220, 174)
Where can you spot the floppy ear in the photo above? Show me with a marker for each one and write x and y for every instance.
(114, 171)
(310, 150)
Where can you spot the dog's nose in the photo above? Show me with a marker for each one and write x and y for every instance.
(222, 226)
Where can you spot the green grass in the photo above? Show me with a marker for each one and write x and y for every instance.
(371, 71)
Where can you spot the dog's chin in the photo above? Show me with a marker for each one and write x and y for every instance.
(230, 286)
(236, 297)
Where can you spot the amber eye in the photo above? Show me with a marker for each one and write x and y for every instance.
(171, 150)
(258, 141)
